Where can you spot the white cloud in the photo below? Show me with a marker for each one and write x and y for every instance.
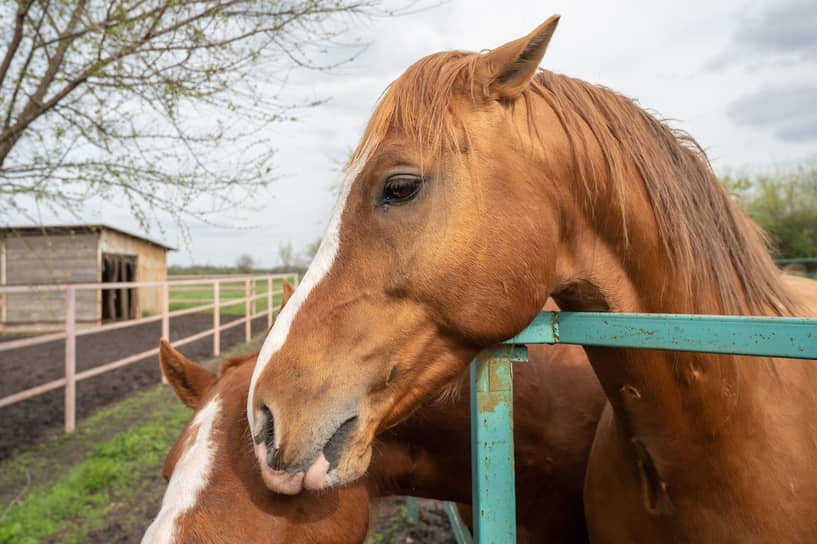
(790, 112)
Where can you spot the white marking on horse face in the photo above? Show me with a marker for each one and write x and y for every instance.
(319, 268)
(190, 475)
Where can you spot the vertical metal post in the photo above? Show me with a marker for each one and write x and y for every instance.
(165, 311)
(247, 317)
(492, 462)
(70, 360)
(165, 317)
(412, 510)
(216, 318)
(269, 302)
(3, 281)
(461, 532)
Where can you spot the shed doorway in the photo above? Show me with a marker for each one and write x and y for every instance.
(118, 304)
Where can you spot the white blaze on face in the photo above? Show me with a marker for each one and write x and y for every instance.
(320, 266)
(189, 476)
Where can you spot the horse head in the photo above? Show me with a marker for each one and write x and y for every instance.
(380, 318)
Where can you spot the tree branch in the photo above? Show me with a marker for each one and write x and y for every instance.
(16, 38)
(33, 108)
(21, 75)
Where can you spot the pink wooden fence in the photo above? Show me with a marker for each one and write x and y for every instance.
(219, 284)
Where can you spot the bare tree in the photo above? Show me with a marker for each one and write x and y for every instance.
(286, 255)
(159, 102)
(245, 263)
(311, 250)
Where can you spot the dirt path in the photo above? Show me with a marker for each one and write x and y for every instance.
(24, 423)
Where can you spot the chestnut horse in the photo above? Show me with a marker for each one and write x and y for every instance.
(558, 402)
(481, 186)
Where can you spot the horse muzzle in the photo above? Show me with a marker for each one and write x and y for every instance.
(286, 472)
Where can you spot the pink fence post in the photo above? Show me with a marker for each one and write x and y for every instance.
(165, 317)
(216, 318)
(269, 302)
(70, 360)
(248, 316)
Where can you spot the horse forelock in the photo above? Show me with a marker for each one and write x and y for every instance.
(418, 103)
(707, 237)
(189, 477)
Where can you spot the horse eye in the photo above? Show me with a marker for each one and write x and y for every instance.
(401, 188)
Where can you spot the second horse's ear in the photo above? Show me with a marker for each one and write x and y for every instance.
(288, 290)
(189, 380)
(507, 70)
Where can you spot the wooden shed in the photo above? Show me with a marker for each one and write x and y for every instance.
(78, 254)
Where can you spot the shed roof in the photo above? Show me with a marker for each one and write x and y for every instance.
(65, 229)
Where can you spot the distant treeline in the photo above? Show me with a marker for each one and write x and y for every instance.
(784, 204)
(207, 269)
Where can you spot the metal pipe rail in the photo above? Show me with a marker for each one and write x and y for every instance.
(492, 457)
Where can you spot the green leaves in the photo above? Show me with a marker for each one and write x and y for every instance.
(785, 206)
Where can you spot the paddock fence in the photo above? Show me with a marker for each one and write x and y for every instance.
(492, 447)
(256, 293)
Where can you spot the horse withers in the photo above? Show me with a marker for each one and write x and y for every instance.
(481, 186)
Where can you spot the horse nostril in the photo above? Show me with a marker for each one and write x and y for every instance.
(332, 449)
(268, 432)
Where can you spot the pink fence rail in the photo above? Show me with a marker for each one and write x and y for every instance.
(251, 284)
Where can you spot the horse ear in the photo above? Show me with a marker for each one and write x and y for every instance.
(507, 70)
(189, 380)
(288, 290)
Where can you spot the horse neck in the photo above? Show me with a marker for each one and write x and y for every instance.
(645, 193)
(613, 259)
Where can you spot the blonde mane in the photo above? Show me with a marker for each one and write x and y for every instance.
(707, 237)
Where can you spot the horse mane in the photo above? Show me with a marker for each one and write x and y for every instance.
(235, 361)
(708, 238)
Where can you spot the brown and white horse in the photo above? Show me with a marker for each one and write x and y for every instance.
(481, 186)
(216, 494)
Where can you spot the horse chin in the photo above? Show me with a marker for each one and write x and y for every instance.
(318, 476)
(280, 481)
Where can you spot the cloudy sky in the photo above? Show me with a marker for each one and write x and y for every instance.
(740, 76)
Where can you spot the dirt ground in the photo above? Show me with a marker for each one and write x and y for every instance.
(390, 525)
(25, 422)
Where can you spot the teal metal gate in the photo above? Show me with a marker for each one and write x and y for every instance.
(492, 461)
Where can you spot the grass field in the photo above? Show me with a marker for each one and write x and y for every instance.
(189, 296)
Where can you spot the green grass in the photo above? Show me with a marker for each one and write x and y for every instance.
(77, 501)
(228, 290)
